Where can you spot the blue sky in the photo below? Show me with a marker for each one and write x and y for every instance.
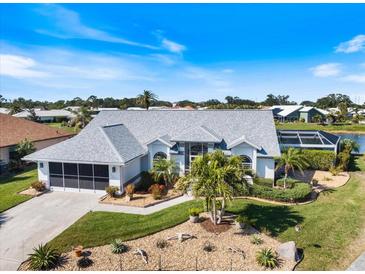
(182, 51)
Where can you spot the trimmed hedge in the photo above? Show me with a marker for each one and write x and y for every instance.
(300, 192)
(263, 181)
(290, 182)
(319, 159)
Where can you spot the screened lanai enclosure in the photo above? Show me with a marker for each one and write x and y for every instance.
(308, 139)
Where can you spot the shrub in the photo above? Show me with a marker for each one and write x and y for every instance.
(335, 170)
(242, 220)
(344, 159)
(314, 182)
(256, 240)
(194, 211)
(300, 192)
(39, 186)
(290, 182)
(208, 247)
(84, 262)
(44, 258)
(145, 182)
(111, 190)
(118, 247)
(319, 159)
(129, 190)
(161, 244)
(158, 191)
(263, 181)
(267, 258)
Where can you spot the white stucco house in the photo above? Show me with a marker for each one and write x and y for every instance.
(116, 146)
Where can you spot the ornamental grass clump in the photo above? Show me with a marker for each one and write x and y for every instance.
(158, 191)
(44, 258)
(118, 247)
(112, 190)
(256, 240)
(267, 258)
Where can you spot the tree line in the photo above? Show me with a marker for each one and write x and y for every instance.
(148, 98)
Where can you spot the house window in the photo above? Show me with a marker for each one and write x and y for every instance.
(246, 162)
(159, 155)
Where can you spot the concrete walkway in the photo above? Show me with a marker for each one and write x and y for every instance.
(358, 264)
(42, 218)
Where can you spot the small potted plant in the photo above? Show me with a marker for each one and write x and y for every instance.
(78, 250)
(194, 214)
(129, 191)
(241, 221)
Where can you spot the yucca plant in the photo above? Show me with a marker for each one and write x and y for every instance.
(256, 240)
(44, 258)
(267, 258)
(118, 246)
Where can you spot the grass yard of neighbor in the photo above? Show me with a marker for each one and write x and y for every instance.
(65, 128)
(12, 184)
(314, 126)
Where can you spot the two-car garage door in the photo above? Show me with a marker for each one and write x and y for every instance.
(78, 176)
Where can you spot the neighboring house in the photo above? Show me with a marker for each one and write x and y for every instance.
(292, 113)
(53, 115)
(13, 130)
(116, 146)
(4, 110)
(73, 108)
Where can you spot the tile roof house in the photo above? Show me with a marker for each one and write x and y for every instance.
(116, 146)
(297, 112)
(13, 130)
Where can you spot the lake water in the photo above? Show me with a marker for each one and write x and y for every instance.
(359, 138)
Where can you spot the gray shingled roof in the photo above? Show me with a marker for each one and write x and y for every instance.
(109, 144)
(197, 134)
(257, 126)
(120, 136)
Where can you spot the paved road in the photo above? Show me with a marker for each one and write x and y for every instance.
(42, 218)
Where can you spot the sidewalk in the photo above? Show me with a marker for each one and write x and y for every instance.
(141, 210)
(358, 264)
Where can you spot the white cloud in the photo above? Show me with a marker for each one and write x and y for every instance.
(354, 45)
(68, 25)
(173, 46)
(355, 78)
(326, 70)
(19, 67)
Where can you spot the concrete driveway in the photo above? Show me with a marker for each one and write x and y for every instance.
(38, 221)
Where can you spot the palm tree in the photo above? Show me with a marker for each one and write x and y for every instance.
(164, 169)
(214, 177)
(349, 145)
(146, 98)
(290, 160)
(81, 119)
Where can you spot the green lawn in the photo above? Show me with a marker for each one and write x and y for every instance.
(11, 185)
(99, 228)
(328, 225)
(65, 128)
(313, 126)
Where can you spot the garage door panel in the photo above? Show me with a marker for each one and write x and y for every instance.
(86, 182)
(101, 183)
(71, 181)
(56, 180)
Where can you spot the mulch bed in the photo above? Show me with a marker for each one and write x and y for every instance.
(208, 226)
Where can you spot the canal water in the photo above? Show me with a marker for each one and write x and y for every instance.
(359, 138)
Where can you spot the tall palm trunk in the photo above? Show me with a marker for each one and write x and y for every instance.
(287, 167)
